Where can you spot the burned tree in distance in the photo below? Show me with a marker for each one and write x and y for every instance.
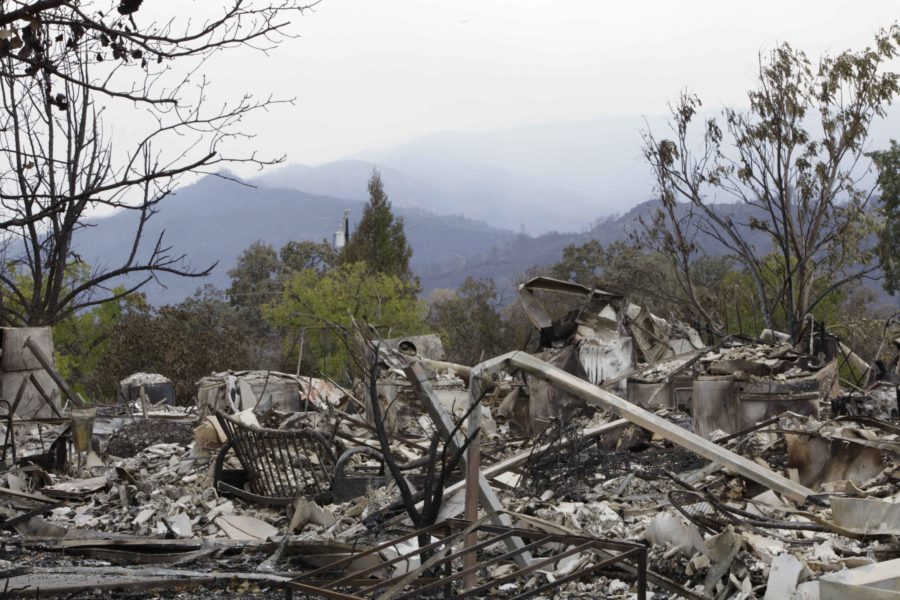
(888, 162)
(793, 164)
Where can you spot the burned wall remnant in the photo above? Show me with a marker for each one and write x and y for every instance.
(587, 340)
(743, 384)
(23, 379)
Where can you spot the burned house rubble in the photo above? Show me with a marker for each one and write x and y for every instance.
(629, 457)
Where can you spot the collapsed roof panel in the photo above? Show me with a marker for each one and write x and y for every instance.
(536, 311)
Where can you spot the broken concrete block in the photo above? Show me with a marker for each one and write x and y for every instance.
(181, 525)
(310, 512)
(783, 577)
(245, 528)
(668, 530)
(807, 591)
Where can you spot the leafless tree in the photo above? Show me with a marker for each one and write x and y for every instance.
(59, 162)
(371, 358)
(39, 35)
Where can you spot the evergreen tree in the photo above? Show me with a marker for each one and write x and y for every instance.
(379, 240)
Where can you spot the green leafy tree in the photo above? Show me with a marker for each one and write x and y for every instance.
(470, 322)
(791, 164)
(324, 305)
(379, 239)
(645, 277)
(80, 340)
(258, 279)
(296, 256)
(254, 281)
(82, 345)
(888, 162)
(738, 307)
(580, 263)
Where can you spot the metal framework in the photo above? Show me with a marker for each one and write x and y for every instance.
(280, 464)
(444, 571)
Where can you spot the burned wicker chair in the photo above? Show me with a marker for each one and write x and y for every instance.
(278, 464)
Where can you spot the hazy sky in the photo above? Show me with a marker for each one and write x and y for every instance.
(370, 73)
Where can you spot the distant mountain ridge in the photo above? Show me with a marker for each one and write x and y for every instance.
(215, 219)
(347, 179)
(536, 178)
(483, 204)
(493, 195)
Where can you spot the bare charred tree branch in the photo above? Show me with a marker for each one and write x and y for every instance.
(58, 165)
(42, 34)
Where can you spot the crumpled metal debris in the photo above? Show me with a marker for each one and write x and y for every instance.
(709, 532)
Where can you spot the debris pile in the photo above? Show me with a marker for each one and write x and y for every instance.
(624, 460)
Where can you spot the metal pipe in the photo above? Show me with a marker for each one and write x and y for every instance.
(464, 372)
